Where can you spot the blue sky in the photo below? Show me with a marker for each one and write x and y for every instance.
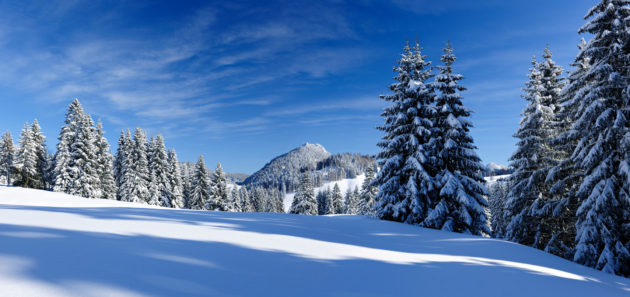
(242, 82)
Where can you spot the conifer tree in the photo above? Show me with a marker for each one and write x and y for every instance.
(7, 153)
(42, 165)
(460, 205)
(352, 201)
(236, 203)
(329, 206)
(123, 163)
(336, 200)
(154, 192)
(406, 180)
(136, 181)
(496, 200)
(219, 192)
(87, 183)
(65, 170)
(304, 200)
(368, 193)
(566, 176)
(105, 164)
(200, 192)
(246, 204)
(26, 160)
(159, 167)
(603, 149)
(176, 196)
(531, 162)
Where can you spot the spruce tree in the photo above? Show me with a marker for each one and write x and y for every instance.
(496, 201)
(159, 167)
(235, 200)
(176, 186)
(87, 183)
(531, 162)
(219, 192)
(567, 175)
(406, 180)
(7, 153)
(136, 181)
(603, 149)
(246, 204)
(368, 193)
(105, 164)
(336, 200)
(123, 169)
(65, 170)
(352, 201)
(41, 152)
(304, 200)
(200, 191)
(26, 160)
(460, 203)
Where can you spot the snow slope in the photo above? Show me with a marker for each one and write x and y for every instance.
(53, 244)
(344, 185)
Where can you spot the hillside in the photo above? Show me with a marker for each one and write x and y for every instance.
(285, 169)
(57, 245)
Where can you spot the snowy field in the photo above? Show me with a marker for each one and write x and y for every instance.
(52, 244)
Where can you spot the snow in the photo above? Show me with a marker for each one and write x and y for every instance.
(495, 166)
(490, 180)
(54, 244)
(344, 185)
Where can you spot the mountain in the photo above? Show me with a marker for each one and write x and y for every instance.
(284, 170)
(494, 169)
(55, 244)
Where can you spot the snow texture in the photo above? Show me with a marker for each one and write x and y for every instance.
(54, 244)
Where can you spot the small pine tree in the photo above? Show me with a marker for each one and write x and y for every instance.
(304, 200)
(176, 195)
(336, 200)
(496, 200)
(105, 164)
(368, 194)
(7, 153)
(219, 192)
(41, 154)
(26, 161)
(352, 201)
(200, 193)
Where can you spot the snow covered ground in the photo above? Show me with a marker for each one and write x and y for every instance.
(344, 185)
(53, 244)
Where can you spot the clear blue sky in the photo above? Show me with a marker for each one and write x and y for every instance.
(241, 82)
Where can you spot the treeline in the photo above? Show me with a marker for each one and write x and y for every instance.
(141, 171)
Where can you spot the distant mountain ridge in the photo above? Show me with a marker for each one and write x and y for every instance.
(284, 171)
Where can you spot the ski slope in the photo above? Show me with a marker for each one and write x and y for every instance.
(53, 244)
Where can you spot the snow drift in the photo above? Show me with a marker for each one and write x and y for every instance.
(52, 244)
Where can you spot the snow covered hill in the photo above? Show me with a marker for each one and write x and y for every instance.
(53, 244)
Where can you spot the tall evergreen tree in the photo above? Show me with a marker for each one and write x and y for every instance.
(603, 149)
(123, 163)
(159, 167)
(406, 181)
(26, 160)
(87, 183)
(105, 164)
(352, 201)
(65, 170)
(219, 192)
(246, 202)
(7, 153)
(304, 200)
(236, 203)
(566, 176)
(531, 162)
(136, 182)
(200, 192)
(176, 196)
(41, 154)
(496, 201)
(460, 205)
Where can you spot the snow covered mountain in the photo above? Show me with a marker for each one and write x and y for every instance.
(283, 172)
(54, 244)
(285, 169)
(493, 169)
